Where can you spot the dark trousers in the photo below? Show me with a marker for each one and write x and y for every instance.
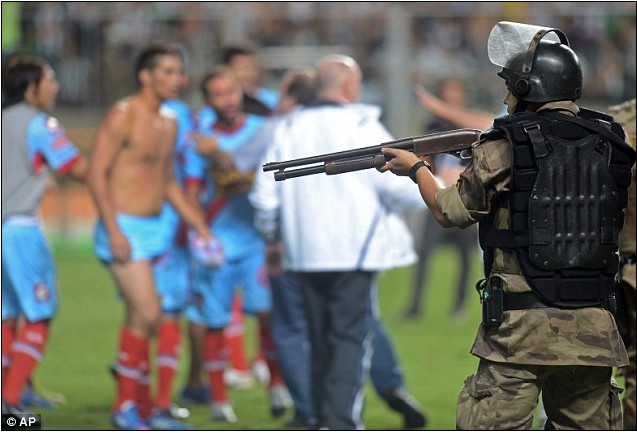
(337, 306)
(290, 334)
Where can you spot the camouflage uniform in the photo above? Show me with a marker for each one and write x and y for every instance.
(568, 355)
(625, 115)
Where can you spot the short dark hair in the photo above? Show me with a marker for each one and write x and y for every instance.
(21, 71)
(302, 86)
(147, 57)
(216, 72)
(230, 52)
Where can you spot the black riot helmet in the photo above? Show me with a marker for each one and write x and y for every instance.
(540, 69)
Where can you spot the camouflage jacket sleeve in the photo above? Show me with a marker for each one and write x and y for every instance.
(479, 185)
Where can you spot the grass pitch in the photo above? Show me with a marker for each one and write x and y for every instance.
(433, 350)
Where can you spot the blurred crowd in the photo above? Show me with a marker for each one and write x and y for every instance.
(94, 42)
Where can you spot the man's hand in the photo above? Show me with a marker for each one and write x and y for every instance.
(206, 248)
(273, 260)
(401, 162)
(222, 160)
(120, 247)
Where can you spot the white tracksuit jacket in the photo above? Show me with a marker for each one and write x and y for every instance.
(351, 221)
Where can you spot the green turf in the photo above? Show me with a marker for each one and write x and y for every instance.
(434, 350)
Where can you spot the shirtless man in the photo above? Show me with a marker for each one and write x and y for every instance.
(130, 177)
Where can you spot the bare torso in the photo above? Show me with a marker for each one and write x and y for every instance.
(139, 172)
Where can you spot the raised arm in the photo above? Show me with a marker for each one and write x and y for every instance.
(459, 116)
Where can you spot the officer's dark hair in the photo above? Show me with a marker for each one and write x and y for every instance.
(302, 86)
(19, 72)
(231, 51)
(217, 71)
(147, 57)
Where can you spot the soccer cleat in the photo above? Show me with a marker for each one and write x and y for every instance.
(238, 379)
(178, 412)
(30, 398)
(127, 418)
(199, 395)
(280, 400)
(404, 403)
(223, 412)
(161, 420)
(9, 409)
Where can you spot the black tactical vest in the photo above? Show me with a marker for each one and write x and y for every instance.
(569, 187)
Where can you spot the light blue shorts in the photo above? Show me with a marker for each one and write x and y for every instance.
(172, 279)
(214, 290)
(28, 271)
(148, 236)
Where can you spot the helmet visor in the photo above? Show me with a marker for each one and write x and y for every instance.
(508, 39)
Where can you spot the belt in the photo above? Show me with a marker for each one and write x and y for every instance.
(528, 300)
(625, 259)
(521, 301)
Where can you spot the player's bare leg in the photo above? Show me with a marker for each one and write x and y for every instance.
(142, 314)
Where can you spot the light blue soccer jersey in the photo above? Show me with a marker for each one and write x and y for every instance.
(268, 96)
(233, 220)
(31, 140)
(189, 166)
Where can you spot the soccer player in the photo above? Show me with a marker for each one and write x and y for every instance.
(131, 175)
(172, 270)
(231, 217)
(32, 142)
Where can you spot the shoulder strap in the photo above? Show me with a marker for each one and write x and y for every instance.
(601, 127)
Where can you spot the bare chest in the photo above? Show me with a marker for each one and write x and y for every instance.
(150, 141)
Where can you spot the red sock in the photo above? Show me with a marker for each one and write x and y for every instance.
(215, 359)
(266, 348)
(26, 353)
(235, 337)
(8, 334)
(169, 342)
(128, 360)
(144, 398)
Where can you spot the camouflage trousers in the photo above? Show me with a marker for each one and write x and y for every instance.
(502, 396)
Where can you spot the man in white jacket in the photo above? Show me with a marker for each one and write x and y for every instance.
(337, 233)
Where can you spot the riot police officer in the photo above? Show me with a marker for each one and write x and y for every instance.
(547, 187)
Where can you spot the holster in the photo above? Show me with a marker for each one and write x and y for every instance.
(491, 298)
(617, 305)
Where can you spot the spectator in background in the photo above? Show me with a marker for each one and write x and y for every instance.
(31, 141)
(450, 109)
(131, 176)
(449, 113)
